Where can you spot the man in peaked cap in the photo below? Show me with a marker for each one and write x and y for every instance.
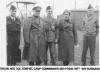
(13, 7)
(35, 9)
(50, 31)
(13, 37)
(34, 37)
(91, 27)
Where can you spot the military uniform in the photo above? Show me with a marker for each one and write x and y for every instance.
(67, 38)
(34, 37)
(13, 40)
(90, 26)
(50, 24)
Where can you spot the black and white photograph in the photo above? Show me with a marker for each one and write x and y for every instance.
(50, 33)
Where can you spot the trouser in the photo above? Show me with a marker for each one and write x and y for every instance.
(25, 51)
(32, 63)
(88, 42)
(35, 62)
(65, 63)
(13, 51)
(51, 47)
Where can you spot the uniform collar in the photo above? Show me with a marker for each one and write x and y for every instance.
(49, 16)
(36, 16)
(13, 18)
(90, 17)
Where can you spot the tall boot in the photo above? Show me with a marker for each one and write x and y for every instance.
(38, 63)
(45, 63)
(65, 63)
(31, 63)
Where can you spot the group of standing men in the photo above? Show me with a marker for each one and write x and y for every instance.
(41, 34)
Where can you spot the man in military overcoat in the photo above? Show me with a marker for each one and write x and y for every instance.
(34, 37)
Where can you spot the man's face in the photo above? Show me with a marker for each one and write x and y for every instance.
(36, 12)
(13, 13)
(49, 12)
(66, 16)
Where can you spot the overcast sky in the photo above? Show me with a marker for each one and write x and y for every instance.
(60, 5)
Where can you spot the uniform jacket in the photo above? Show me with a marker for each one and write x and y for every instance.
(34, 35)
(50, 24)
(90, 25)
(13, 26)
(66, 40)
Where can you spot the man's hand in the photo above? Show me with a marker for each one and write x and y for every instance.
(76, 46)
(27, 44)
(53, 27)
(56, 40)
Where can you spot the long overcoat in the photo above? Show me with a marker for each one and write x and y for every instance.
(67, 38)
(34, 35)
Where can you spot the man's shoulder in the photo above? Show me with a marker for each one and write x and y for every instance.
(29, 18)
(45, 18)
(42, 21)
(61, 21)
(18, 19)
(41, 18)
(8, 17)
(95, 17)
